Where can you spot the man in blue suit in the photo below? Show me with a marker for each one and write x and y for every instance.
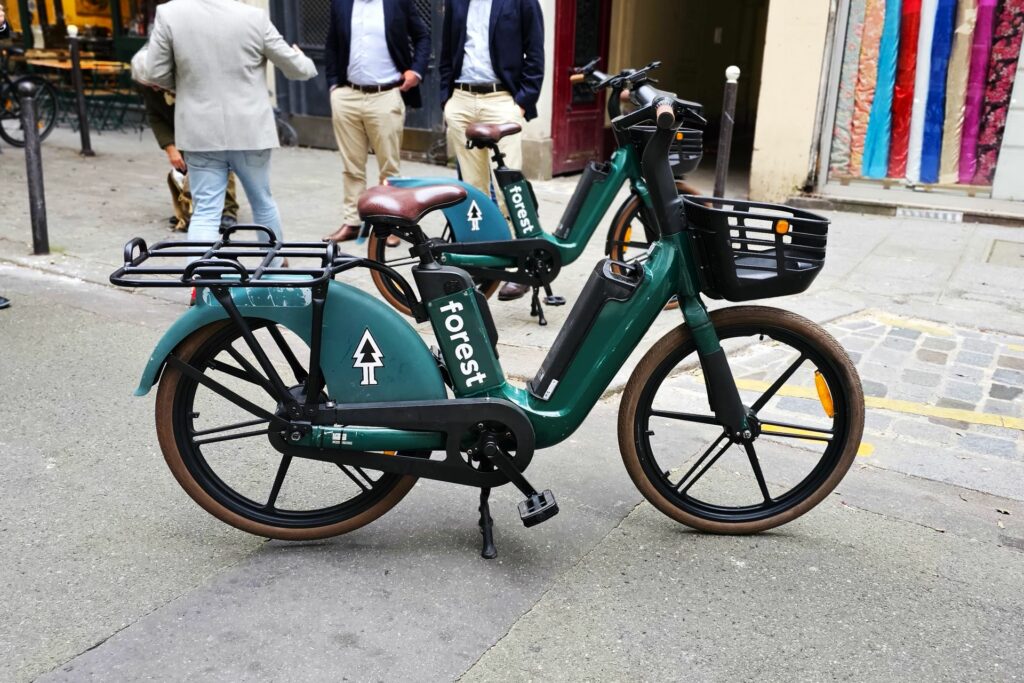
(492, 69)
(375, 57)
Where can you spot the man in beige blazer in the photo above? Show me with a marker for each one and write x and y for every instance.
(213, 55)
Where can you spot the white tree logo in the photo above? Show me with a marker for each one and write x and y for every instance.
(368, 357)
(474, 216)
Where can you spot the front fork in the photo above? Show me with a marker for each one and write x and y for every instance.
(723, 395)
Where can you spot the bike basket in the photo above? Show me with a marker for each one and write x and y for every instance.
(749, 250)
(685, 153)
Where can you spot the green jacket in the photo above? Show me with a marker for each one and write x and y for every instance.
(160, 115)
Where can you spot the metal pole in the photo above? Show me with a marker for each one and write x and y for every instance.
(34, 166)
(732, 77)
(76, 80)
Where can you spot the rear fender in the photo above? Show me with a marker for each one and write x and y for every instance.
(401, 368)
(475, 219)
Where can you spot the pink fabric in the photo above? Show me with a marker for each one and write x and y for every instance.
(1002, 71)
(976, 82)
(867, 78)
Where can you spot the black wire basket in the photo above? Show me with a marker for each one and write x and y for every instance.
(750, 250)
(685, 153)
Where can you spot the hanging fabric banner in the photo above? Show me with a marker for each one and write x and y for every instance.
(929, 8)
(842, 132)
(956, 90)
(1002, 70)
(935, 109)
(980, 48)
(876, 143)
(903, 93)
(867, 76)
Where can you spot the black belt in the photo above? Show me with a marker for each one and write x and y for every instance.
(374, 88)
(481, 88)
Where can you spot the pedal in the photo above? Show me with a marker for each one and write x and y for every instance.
(552, 300)
(538, 508)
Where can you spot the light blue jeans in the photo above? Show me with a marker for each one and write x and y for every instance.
(208, 178)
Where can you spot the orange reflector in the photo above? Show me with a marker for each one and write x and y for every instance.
(679, 135)
(390, 452)
(824, 394)
(782, 227)
(629, 236)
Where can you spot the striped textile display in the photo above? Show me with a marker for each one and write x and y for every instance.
(956, 90)
(876, 143)
(935, 108)
(903, 93)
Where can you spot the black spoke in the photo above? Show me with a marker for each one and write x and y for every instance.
(286, 351)
(796, 431)
(226, 428)
(404, 261)
(774, 388)
(706, 467)
(226, 393)
(686, 417)
(231, 437)
(755, 465)
(353, 477)
(254, 375)
(638, 245)
(282, 471)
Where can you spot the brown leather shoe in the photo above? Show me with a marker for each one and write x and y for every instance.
(511, 291)
(343, 234)
(394, 241)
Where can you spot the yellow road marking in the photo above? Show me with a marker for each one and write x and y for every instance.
(919, 325)
(865, 450)
(1015, 347)
(896, 406)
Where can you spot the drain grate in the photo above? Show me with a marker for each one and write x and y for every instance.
(930, 214)
(1006, 253)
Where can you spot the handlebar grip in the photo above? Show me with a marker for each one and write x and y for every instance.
(577, 78)
(665, 115)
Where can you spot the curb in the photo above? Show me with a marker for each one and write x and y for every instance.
(892, 209)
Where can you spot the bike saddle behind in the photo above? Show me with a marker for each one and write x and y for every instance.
(406, 206)
(488, 134)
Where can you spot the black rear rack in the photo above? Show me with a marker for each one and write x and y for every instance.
(245, 263)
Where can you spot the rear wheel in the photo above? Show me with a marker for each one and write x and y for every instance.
(399, 259)
(47, 108)
(221, 455)
(806, 412)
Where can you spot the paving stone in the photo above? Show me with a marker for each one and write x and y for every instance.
(873, 332)
(1005, 393)
(889, 357)
(875, 372)
(876, 421)
(964, 391)
(854, 356)
(872, 388)
(924, 432)
(958, 405)
(952, 424)
(855, 343)
(969, 374)
(1011, 362)
(938, 343)
(922, 379)
(979, 360)
(1012, 377)
(898, 343)
(999, 432)
(905, 333)
(934, 357)
(980, 345)
(988, 445)
(857, 324)
(800, 405)
(1007, 408)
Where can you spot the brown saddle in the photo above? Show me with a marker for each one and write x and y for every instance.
(405, 206)
(485, 134)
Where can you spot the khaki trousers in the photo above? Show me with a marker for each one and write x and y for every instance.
(363, 121)
(465, 108)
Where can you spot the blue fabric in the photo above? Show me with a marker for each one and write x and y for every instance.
(517, 48)
(935, 108)
(208, 180)
(408, 40)
(876, 143)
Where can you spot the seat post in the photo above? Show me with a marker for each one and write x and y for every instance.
(498, 158)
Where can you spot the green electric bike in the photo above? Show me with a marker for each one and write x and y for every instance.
(294, 406)
(475, 235)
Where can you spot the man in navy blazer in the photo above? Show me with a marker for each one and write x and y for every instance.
(375, 57)
(492, 69)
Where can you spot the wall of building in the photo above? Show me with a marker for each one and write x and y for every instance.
(1010, 170)
(794, 56)
(537, 135)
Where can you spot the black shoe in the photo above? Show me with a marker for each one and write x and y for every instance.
(227, 221)
(4, 303)
(511, 291)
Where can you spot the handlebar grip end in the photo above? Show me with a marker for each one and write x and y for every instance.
(665, 115)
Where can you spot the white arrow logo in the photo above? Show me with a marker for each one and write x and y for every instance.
(368, 357)
(474, 215)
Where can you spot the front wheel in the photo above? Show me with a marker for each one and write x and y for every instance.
(47, 109)
(224, 459)
(806, 417)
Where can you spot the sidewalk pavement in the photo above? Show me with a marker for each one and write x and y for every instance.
(115, 574)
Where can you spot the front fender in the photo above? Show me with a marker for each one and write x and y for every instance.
(475, 219)
(403, 369)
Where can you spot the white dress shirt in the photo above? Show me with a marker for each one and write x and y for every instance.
(369, 62)
(476, 64)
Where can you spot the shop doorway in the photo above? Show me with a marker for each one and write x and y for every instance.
(696, 41)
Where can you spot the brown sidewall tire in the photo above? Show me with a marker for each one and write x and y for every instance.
(617, 232)
(168, 444)
(380, 280)
(725, 318)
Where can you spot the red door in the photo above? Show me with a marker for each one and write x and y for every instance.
(577, 126)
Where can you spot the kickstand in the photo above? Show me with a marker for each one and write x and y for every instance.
(489, 551)
(535, 308)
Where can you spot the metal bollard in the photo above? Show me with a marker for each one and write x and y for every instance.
(33, 166)
(76, 80)
(732, 77)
